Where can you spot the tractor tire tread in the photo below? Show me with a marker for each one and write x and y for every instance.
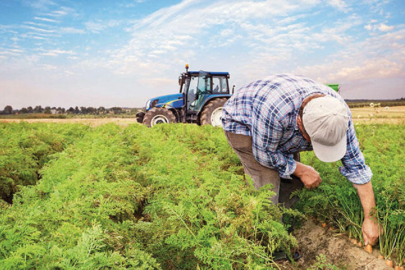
(205, 118)
(149, 115)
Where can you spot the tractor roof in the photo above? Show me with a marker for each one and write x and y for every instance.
(210, 72)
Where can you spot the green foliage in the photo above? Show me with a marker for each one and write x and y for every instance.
(336, 201)
(25, 148)
(169, 197)
(201, 213)
(321, 264)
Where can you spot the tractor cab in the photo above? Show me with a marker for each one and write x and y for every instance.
(199, 87)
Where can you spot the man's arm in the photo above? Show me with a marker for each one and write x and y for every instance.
(370, 226)
(311, 179)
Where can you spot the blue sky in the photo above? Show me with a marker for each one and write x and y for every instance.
(121, 53)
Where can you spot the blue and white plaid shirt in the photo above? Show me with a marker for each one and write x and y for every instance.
(267, 111)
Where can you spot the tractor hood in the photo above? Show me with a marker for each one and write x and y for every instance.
(169, 101)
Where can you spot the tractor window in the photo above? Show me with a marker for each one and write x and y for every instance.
(203, 91)
(219, 85)
(204, 83)
(192, 90)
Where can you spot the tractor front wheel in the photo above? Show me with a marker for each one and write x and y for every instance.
(158, 116)
(212, 113)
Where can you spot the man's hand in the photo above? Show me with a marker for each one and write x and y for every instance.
(370, 231)
(370, 227)
(308, 175)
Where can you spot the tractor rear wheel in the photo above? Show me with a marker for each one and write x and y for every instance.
(158, 116)
(212, 113)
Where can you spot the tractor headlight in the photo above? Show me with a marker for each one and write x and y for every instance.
(151, 103)
(147, 107)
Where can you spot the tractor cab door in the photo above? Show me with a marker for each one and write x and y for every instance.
(203, 90)
(191, 87)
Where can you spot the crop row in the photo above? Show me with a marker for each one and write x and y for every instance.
(335, 201)
(167, 197)
(170, 197)
(25, 148)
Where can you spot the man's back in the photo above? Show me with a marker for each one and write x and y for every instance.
(275, 98)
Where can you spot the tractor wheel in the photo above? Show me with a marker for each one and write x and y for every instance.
(158, 116)
(139, 117)
(212, 113)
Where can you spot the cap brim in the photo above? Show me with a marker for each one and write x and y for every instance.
(330, 153)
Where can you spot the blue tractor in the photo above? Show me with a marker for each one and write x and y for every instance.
(200, 100)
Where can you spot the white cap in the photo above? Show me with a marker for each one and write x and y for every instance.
(326, 121)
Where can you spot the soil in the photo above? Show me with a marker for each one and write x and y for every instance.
(314, 240)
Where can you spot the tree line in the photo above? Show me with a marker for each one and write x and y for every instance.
(72, 110)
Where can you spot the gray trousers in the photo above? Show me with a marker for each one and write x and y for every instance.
(261, 175)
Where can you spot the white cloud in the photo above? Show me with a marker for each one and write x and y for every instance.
(368, 27)
(256, 27)
(190, 21)
(62, 11)
(340, 4)
(57, 52)
(45, 19)
(70, 30)
(38, 29)
(39, 4)
(378, 26)
(385, 28)
(97, 27)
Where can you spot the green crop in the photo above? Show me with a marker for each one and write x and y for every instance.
(168, 197)
(383, 147)
(25, 148)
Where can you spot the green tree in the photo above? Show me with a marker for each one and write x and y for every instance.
(91, 110)
(47, 110)
(116, 110)
(83, 110)
(8, 110)
(101, 110)
(38, 109)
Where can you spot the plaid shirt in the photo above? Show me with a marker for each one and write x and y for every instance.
(267, 111)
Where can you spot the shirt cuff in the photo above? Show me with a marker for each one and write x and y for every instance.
(358, 177)
(289, 169)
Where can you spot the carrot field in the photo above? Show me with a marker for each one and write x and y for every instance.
(111, 196)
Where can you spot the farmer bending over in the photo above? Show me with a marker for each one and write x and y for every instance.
(269, 121)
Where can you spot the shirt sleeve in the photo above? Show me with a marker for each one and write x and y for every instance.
(266, 134)
(354, 167)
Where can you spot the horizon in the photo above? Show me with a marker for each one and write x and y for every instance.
(120, 54)
(141, 107)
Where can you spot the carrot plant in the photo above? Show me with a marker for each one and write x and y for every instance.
(168, 197)
(25, 148)
(383, 147)
(81, 213)
(201, 214)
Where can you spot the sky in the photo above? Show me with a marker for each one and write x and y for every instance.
(67, 53)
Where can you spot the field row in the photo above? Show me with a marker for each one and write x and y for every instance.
(168, 197)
